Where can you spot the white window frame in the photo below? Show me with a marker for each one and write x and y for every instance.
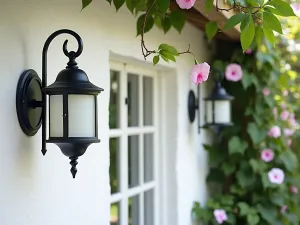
(123, 132)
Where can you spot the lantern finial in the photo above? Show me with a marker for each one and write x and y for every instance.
(73, 163)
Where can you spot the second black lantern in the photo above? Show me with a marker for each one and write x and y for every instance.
(217, 112)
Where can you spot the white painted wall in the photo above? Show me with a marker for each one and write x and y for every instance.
(38, 190)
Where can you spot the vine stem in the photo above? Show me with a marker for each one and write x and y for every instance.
(239, 7)
(145, 50)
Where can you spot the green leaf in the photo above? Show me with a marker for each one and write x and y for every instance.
(247, 80)
(164, 58)
(228, 168)
(269, 34)
(247, 34)
(257, 165)
(234, 20)
(85, 3)
(236, 189)
(155, 59)
(245, 176)
(272, 22)
(258, 35)
(289, 159)
(130, 5)
(162, 5)
(244, 208)
(253, 219)
(236, 145)
(211, 29)
(166, 24)
(245, 22)
(177, 20)
(277, 199)
(268, 213)
(167, 55)
(118, 3)
(256, 134)
(209, 4)
(140, 22)
(283, 7)
(168, 48)
(215, 175)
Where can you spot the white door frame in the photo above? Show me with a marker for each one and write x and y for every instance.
(124, 131)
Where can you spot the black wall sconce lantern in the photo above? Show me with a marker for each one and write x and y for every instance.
(73, 124)
(217, 112)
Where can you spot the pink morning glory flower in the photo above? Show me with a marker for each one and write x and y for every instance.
(267, 155)
(266, 91)
(274, 132)
(285, 115)
(234, 72)
(248, 51)
(283, 105)
(294, 189)
(200, 72)
(186, 4)
(292, 122)
(283, 208)
(296, 8)
(288, 132)
(220, 215)
(285, 92)
(276, 176)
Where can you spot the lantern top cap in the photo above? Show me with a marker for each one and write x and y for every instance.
(72, 80)
(218, 93)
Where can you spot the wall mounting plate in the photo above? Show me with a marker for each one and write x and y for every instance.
(29, 91)
(192, 106)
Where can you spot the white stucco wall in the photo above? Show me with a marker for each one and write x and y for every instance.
(38, 190)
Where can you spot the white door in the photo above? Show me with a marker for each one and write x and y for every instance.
(133, 146)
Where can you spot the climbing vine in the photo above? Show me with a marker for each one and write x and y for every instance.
(255, 165)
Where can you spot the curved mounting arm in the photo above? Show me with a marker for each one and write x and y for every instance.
(71, 55)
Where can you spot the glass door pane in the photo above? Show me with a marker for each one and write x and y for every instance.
(148, 100)
(148, 157)
(114, 168)
(149, 207)
(133, 161)
(115, 214)
(133, 99)
(114, 101)
(133, 211)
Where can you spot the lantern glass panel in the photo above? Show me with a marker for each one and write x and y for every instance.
(222, 111)
(209, 111)
(56, 116)
(81, 115)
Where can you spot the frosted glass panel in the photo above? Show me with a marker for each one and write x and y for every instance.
(81, 115)
(222, 112)
(208, 108)
(56, 128)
